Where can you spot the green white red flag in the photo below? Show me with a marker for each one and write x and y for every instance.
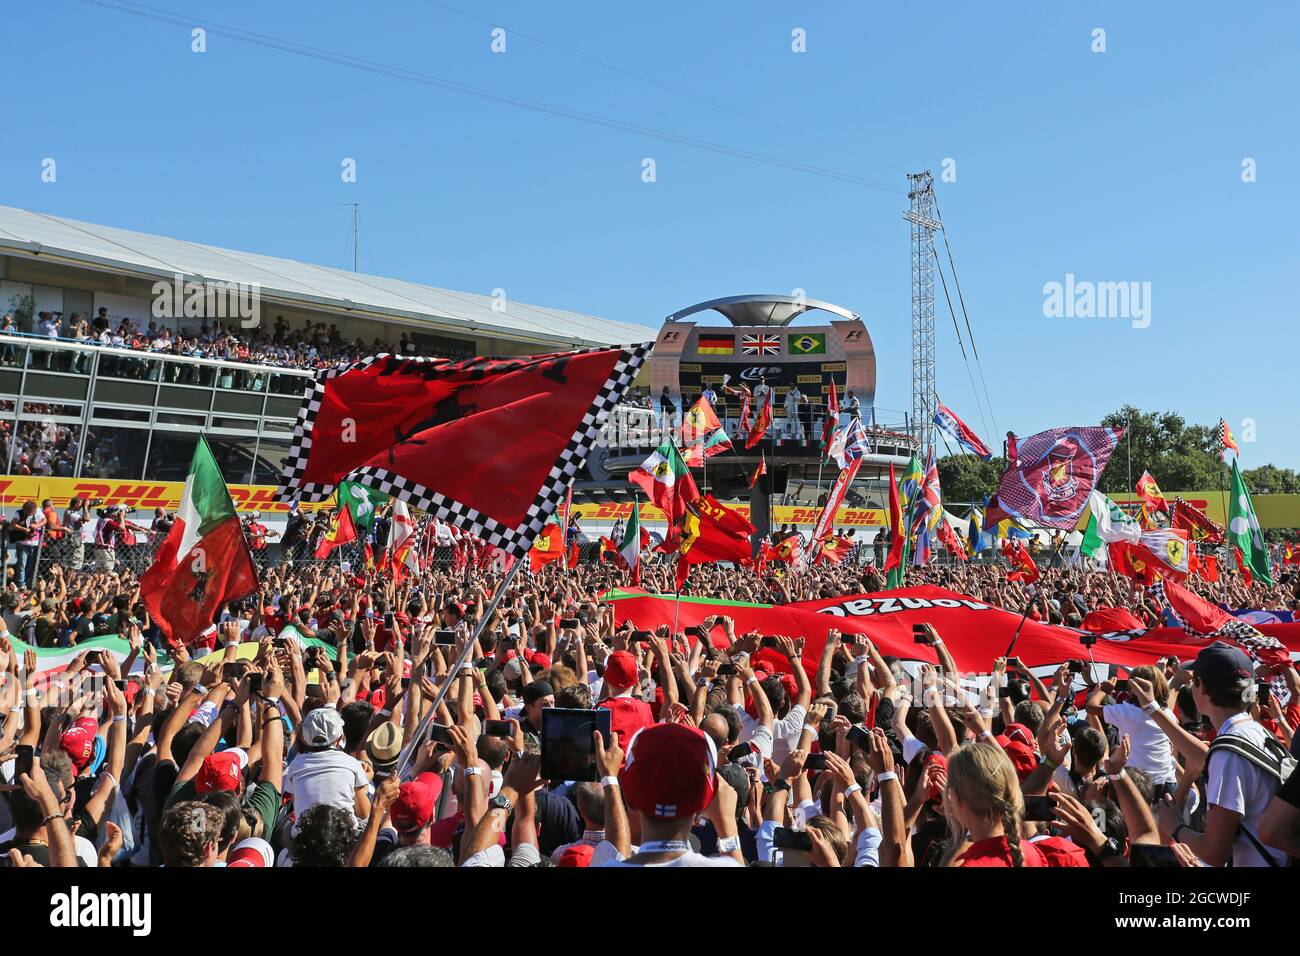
(204, 561)
(666, 479)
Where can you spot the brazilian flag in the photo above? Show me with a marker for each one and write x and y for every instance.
(808, 343)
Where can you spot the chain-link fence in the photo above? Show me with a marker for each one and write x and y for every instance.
(75, 555)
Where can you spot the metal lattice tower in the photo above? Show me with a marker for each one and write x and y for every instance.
(921, 215)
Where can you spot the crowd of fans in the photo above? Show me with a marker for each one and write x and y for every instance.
(314, 346)
(311, 752)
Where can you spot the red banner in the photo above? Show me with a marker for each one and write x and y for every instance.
(975, 632)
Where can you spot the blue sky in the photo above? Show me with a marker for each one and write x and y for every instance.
(1121, 166)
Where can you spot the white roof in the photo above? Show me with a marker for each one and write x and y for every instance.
(23, 232)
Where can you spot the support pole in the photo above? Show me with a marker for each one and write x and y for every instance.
(453, 673)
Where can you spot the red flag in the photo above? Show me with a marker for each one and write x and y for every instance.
(517, 429)
(826, 518)
(1052, 476)
(1197, 614)
(574, 552)
(895, 525)
(759, 472)
(832, 419)
(713, 532)
(762, 423)
(834, 550)
(1020, 558)
(1209, 569)
(1195, 522)
(949, 539)
(1247, 578)
(342, 532)
(1149, 492)
(1225, 436)
(1132, 562)
(547, 547)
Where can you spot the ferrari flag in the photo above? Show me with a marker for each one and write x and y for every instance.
(488, 445)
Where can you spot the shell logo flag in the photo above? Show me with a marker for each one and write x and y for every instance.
(1052, 476)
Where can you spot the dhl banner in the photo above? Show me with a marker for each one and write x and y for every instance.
(141, 495)
(1274, 511)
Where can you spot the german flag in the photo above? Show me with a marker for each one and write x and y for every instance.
(713, 344)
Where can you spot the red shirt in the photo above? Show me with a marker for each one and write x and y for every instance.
(995, 851)
(627, 716)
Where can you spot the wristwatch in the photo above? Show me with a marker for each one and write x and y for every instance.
(499, 802)
(1109, 849)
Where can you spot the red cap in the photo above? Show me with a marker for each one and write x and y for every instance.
(252, 852)
(577, 855)
(220, 772)
(937, 759)
(1021, 733)
(541, 660)
(669, 771)
(620, 670)
(79, 741)
(1022, 756)
(413, 808)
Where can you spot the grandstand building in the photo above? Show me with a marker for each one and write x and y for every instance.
(117, 412)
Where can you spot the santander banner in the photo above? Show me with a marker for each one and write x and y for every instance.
(975, 633)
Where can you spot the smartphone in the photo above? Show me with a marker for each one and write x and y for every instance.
(860, 737)
(406, 683)
(740, 752)
(94, 657)
(120, 684)
(232, 673)
(1264, 691)
(1039, 808)
(920, 635)
(643, 637)
(568, 623)
(279, 642)
(388, 620)
(444, 637)
(23, 761)
(1076, 667)
(568, 750)
(815, 762)
(1015, 662)
(1121, 686)
(255, 683)
(498, 728)
(727, 670)
(1004, 692)
(439, 733)
(783, 838)
(1148, 854)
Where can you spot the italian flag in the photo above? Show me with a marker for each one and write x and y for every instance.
(629, 549)
(204, 560)
(666, 479)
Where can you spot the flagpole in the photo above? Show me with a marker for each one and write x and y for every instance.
(1056, 544)
(408, 751)
(1223, 488)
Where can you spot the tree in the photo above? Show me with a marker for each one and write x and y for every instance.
(965, 478)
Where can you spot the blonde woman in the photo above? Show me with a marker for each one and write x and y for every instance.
(984, 809)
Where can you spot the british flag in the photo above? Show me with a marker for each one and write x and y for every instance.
(760, 344)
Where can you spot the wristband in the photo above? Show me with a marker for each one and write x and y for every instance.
(52, 816)
(884, 777)
(201, 689)
(1117, 776)
(853, 788)
(610, 781)
(1170, 714)
(812, 730)
(1049, 763)
(728, 844)
(119, 718)
(1150, 707)
(752, 680)
(986, 735)
(473, 771)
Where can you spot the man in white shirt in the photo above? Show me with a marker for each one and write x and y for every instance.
(793, 399)
(323, 773)
(1238, 789)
